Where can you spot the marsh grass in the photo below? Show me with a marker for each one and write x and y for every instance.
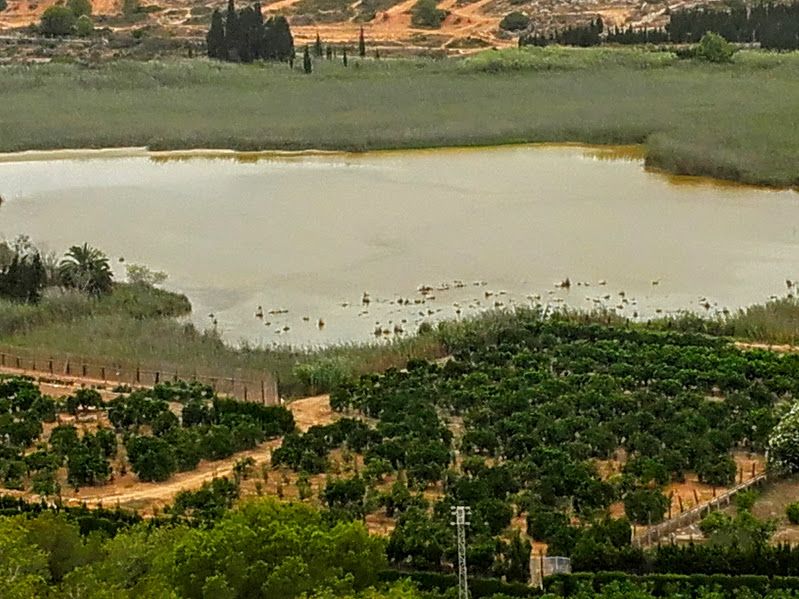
(169, 346)
(732, 121)
(63, 306)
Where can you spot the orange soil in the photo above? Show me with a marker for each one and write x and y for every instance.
(473, 20)
(127, 491)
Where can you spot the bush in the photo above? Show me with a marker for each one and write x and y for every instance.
(718, 471)
(714, 48)
(3, 5)
(745, 500)
(425, 13)
(514, 21)
(792, 511)
(57, 21)
(645, 505)
(783, 443)
(713, 522)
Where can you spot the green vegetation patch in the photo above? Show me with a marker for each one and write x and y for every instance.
(724, 120)
(530, 404)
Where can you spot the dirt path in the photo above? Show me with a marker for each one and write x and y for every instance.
(129, 492)
(785, 348)
(279, 5)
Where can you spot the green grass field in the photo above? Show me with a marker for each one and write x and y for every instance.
(735, 121)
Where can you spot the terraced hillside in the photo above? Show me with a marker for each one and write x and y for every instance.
(468, 26)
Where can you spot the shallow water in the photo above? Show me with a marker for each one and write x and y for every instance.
(309, 234)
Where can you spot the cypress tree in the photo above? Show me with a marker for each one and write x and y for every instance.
(258, 33)
(232, 32)
(317, 48)
(362, 44)
(344, 56)
(215, 40)
(247, 34)
(306, 61)
(278, 41)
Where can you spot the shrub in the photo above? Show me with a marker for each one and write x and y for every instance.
(783, 444)
(645, 505)
(713, 522)
(57, 21)
(792, 511)
(717, 470)
(514, 21)
(425, 13)
(745, 500)
(3, 5)
(714, 48)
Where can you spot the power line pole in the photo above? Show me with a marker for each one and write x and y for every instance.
(461, 514)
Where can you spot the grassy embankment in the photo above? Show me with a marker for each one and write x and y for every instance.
(140, 326)
(137, 326)
(733, 121)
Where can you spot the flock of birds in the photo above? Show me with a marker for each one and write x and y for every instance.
(404, 313)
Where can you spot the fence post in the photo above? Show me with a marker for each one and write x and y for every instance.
(245, 392)
(50, 365)
(18, 363)
(263, 392)
(66, 367)
(102, 372)
(157, 377)
(83, 369)
(2, 359)
(138, 375)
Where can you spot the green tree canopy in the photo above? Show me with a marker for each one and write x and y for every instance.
(57, 20)
(87, 269)
(425, 13)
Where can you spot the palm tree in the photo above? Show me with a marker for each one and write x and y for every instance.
(87, 269)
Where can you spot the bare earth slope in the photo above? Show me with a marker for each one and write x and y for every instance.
(470, 25)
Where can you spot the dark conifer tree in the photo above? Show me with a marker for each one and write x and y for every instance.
(248, 35)
(215, 40)
(259, 34)
(329, 53)
(279, 43)
(361, 45)
(243, 36)
(232, 32)
(306, 61)
(344, 56)
(317, 47)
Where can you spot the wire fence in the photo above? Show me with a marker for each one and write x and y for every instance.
(653, 534)
(542, 566)
(242, 385)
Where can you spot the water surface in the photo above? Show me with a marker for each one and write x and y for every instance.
(311, 234)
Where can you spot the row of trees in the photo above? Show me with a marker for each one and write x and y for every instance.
(262, 549)
(244, 36)
(539, 402)
(158, 443)
(773, 26)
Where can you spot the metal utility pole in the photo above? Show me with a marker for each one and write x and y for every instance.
(461, 514)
